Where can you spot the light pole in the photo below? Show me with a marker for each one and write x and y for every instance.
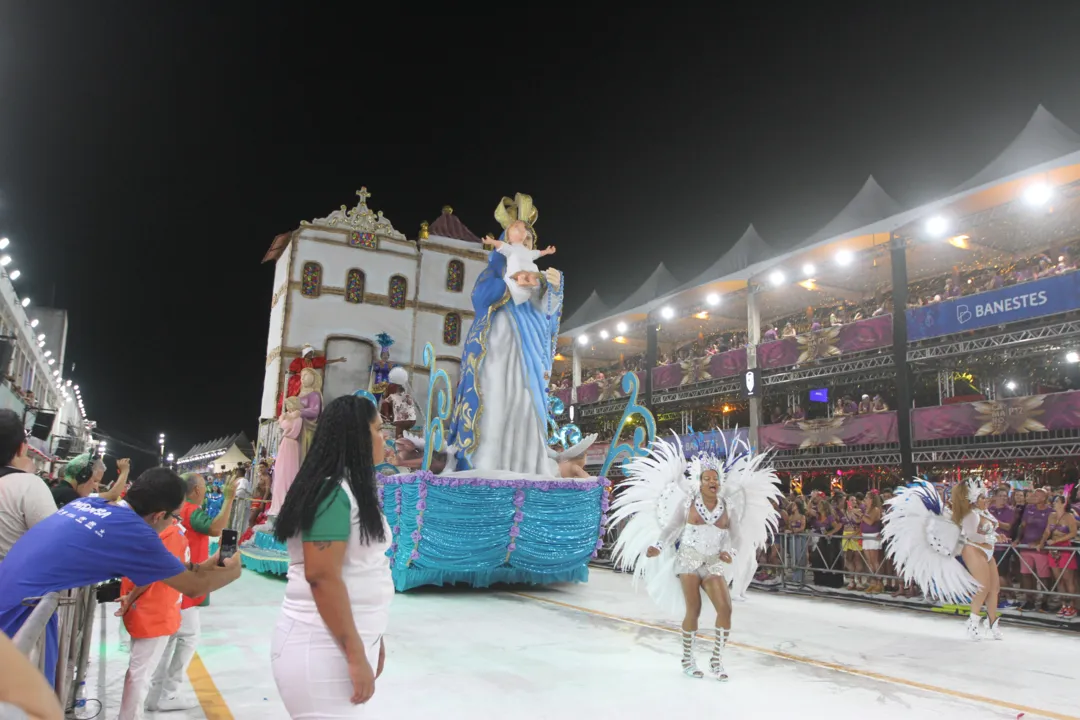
(170, 459)
(161, 445)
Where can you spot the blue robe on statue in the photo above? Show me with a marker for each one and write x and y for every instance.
(500, 416)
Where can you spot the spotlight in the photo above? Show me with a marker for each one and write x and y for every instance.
(808, 269)
(776, 278)
(1072, 356)
(1038, 194)
(4, 242)
(25, 302)
(56, 373)
(41, 337)
(603, 334)
(34, 323)
(69, 383)
(667, 313)
(52, 361)
(15, 274)
(48, 353)
(5, 260)
(583, 340)
(844, 257)
(936, 226)
(712, 299)
(1010, 385)
(621, 328)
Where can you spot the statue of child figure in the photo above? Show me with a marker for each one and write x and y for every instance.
(522, 274)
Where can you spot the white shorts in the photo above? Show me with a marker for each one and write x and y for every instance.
(871, 542)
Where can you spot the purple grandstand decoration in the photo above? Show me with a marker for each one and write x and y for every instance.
(841, 431)
(831, 342)
(1008, 416)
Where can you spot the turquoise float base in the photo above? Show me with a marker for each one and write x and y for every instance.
(264, 554)
(480, 532)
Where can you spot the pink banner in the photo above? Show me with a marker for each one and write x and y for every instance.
(844, 430)
(825, 343)
(1010, 416)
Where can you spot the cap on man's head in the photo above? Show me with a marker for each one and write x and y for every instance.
(307, 350)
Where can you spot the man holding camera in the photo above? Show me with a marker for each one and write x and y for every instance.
(199, 527)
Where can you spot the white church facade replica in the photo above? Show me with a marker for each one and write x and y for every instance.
(342, 280)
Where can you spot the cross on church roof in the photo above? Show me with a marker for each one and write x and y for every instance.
(363, 194)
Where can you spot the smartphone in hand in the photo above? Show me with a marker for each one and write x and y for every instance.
(228, 546)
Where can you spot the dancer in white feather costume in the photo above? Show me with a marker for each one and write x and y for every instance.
(924, 542)
(686, 524)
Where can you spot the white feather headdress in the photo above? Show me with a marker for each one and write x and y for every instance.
(975, 490)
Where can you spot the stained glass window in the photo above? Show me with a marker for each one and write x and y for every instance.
(455, 276)
(354, 286)
(451, 329)
(399, 290)
(363, 240)
(311, 280)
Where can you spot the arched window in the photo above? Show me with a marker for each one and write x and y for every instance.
(451, 329)
(354, 286)
(399, 291)
(311, 280)
(455, 276)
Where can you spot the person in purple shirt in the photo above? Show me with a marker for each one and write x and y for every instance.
(90, 541)
(1034, 564)
(1006, 516)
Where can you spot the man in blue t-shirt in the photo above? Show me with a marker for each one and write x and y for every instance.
(91, 540)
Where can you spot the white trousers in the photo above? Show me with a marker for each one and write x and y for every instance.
(145, 655)
(312, 674)
(169, 676)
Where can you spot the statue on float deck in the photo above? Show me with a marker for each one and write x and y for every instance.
(311, 407)
(380, 369)
(501, 413)
(287, 462)
(307, 359)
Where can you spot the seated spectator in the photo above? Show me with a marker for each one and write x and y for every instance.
(91, 541)
(25, 499)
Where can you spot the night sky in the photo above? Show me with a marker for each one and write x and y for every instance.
(150, 152)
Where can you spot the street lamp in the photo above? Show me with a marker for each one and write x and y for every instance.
(161, 444)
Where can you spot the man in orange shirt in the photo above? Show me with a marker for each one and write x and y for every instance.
(199, 527)
(151, 615)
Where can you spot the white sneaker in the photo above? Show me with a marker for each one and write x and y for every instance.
(993, 631)
(973, 625)
(176, 702)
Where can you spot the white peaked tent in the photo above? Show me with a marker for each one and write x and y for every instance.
(870, 205)
(1043, 139)
(746, 251)
(592, 309)
(659, 283)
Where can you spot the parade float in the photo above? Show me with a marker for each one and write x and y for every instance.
(490, 486)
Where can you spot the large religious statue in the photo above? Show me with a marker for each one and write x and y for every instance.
(307, 359)
(500, 416)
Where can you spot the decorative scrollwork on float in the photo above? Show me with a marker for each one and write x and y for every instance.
(436, 429)
(643, 436)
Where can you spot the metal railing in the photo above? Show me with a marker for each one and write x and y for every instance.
(817, 565)
(809, 563)
(75, 623)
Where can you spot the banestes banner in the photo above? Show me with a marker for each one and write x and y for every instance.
(1025, 301)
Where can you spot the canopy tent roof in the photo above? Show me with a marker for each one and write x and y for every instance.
(658, 284)
(747, 250)
(593, 307)
(869, 205)
(1045, 141)
(223, 443)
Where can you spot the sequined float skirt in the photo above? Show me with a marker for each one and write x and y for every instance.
(690, 561)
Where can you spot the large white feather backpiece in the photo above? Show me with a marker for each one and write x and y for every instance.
(749, 489)
(923, 543)
(657, 486)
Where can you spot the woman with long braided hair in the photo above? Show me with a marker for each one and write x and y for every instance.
(327, 649)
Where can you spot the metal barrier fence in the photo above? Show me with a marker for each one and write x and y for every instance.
(818, 565)
(75, 623)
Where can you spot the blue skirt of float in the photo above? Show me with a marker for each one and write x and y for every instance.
(449, 530)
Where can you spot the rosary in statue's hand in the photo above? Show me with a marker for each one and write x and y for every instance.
(554, 278)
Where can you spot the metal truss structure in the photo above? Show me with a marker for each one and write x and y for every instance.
(611, 407)
(831, 461)
(992, 343)
(1054, 444)
(874, 367)
(698, 390)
